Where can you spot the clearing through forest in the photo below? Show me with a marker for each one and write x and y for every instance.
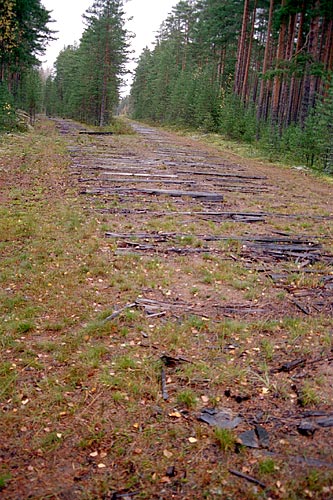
(180, 303)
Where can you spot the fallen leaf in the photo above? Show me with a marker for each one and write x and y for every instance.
(175, 414)
(165, 480)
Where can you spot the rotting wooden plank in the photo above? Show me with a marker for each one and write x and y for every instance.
(146, 174)
(86, 132)
(203, 195)
(274, 240)
(213, 167)
(221, 174)
(215, 214)
(136, 248)
(228, 181)
(152, 306)
(107, 168)
(241, 189)
(147, 180)
(211, 196)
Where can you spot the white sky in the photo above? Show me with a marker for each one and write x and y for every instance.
(147, 18)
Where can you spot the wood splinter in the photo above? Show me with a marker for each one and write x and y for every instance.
(115, 314)
(247, 478)
(165, 395)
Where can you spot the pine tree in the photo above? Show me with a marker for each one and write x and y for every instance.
(108, 38)
(88, 76)
(24, 33)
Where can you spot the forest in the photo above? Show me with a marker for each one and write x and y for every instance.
(166, 258)
(258, 71)
(252, 70)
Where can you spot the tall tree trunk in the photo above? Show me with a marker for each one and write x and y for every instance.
(241, 49)
(329, 48)
(285, 86)
(327, 54)
(221, 65)
(263, 84)
(278, 78)
(244, 92)
(314, 52)
(308, 90)
(294, 89)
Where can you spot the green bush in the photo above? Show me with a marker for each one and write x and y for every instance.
(7, 110)
(237, 121)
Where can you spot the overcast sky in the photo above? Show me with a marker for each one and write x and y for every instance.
(147, 18)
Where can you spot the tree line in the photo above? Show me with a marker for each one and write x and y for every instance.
(87, 76)
(256, 70)
(85, 85)
(24, 33)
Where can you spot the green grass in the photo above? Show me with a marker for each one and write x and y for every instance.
(225, 439)
(4, 479)
(8, 377)
(187, 398)
(309, 394)
(267, 466)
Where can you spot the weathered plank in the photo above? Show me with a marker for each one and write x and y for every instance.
(297, 243)
(86, 132)
(221, 174)
(211, 196)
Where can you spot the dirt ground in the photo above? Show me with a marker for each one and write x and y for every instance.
(167, 320)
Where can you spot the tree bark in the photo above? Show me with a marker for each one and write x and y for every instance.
(278, 78)
(263, 84)
(241, 49)
(285, 86)
(244, 92)
(315, 54)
